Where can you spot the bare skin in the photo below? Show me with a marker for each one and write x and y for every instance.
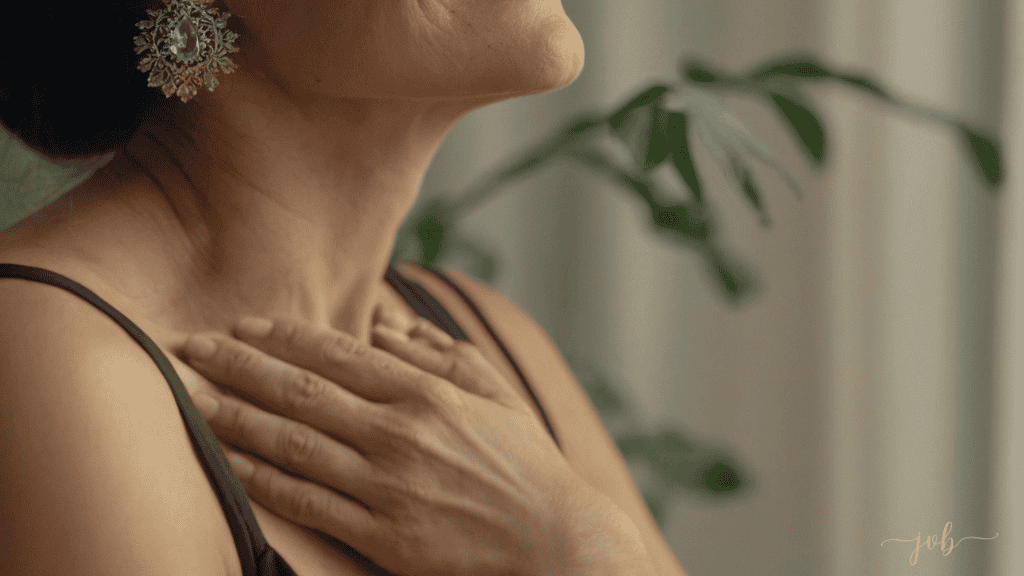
(280, 193)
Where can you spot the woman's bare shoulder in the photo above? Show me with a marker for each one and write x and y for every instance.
(98, 472)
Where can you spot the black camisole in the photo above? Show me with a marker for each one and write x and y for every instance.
(257, 557)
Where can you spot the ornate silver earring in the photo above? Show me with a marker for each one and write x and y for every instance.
(188, 44)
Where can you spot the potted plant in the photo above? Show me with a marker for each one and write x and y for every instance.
(657, 125)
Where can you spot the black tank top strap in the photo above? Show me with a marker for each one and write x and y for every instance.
(257, 557)
(252, 545)
(424, 304)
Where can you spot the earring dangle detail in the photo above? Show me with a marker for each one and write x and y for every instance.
(188, 44)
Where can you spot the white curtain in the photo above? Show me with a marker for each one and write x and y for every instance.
(870, 385)
(1006, 500)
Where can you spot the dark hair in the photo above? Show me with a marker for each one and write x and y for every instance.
(69, 83)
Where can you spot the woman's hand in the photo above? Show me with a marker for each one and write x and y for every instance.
(417, 455)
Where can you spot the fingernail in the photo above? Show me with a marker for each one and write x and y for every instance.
(206, 404)
(241, 466)
(199, 347)
(252, 327)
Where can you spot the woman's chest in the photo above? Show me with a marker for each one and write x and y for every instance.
(307, 551)
(311, 553)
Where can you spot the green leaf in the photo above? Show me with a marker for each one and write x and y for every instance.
(676, 140)
(524, 166)
(807, 66)
(437, 215)
(591, 157)
(700, 75)
(717, 475)
(643, 134)
(682, 463)
(634, 444)
(641, 186)
(575, 130)
(741, 173)
(986, 155)
(543, 153)
(687, 220)
(583, 124)
(723, 132)
(804, 122)
(674, 458)
(431, 234)
(631, 132)
(658, 147)
(865, 84)
(802, 67)
(597, 160)
(642, 99)
(696, 71)
(737, 283)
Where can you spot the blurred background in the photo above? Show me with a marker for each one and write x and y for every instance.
(871, 385)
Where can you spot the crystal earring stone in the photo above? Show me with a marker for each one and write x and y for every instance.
(183, 41)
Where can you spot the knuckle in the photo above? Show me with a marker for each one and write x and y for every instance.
(443, 398)
(437, 336)
(418, 437)
(389, 371)
(397, 430)
(420, 382)
(449, 368)
(242, 423)
(288, 333)
(421, 324)
(393, 426)
(471, 360)
(304, 390)
(414, 491)
(236, 362)
(464, 349)
(341, 348)
(262, 480)
(305, 503)
(230, 415)
(458, 367)
(300, 444)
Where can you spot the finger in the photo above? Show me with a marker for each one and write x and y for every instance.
(303, 502)
(338, 357)
(392, 320)
(460, 364)
(293, 446)
(436, 337)
(281, 388)
(415, 352)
